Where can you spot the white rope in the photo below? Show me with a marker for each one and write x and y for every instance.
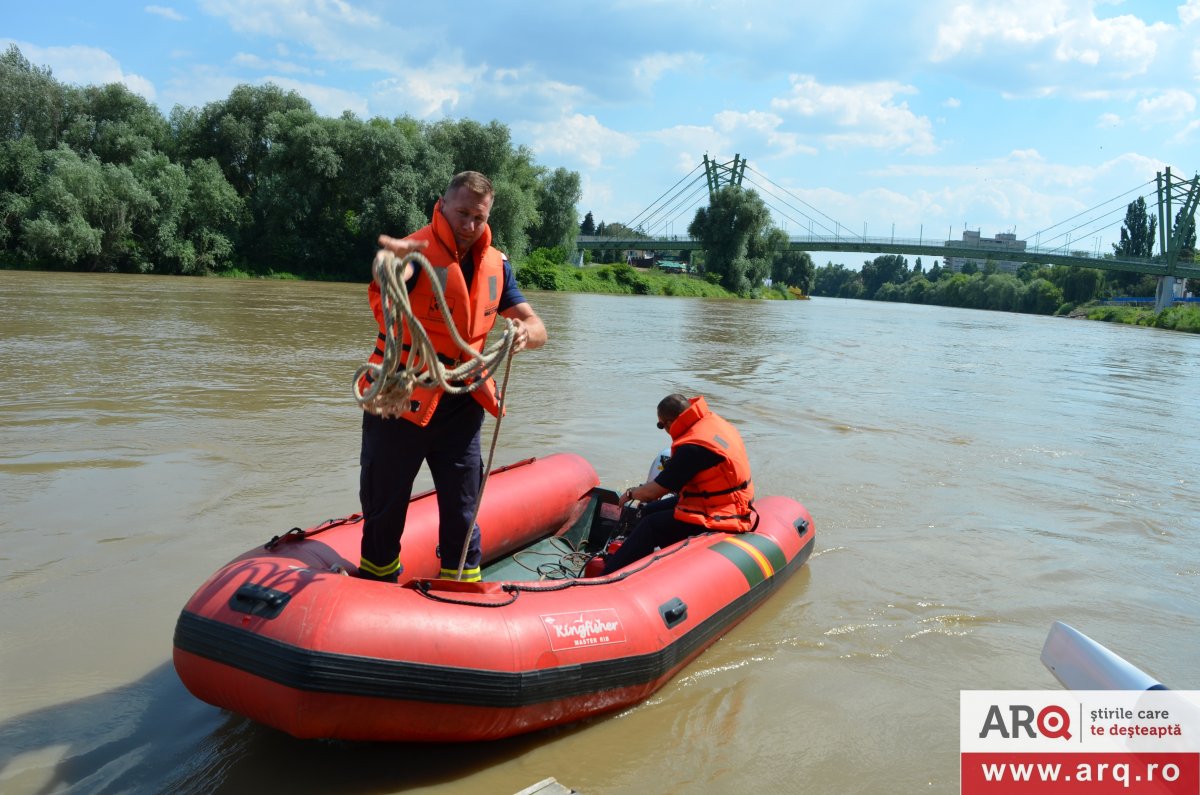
(392, 385)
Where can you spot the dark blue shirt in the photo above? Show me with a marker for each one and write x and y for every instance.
(685, 463)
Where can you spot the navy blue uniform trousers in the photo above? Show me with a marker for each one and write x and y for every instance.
(658, 527)
(392, 453)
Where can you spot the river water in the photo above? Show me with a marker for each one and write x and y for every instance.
(973, 476)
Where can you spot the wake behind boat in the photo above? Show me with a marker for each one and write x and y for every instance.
(282, 636)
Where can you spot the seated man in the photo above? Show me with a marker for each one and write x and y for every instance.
(708, 470)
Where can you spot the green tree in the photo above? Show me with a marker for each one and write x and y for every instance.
(1185, 227)
(20, 172)
(1080, 285)
(588, 227)
(886, 269)
(1041, 297)
(294, 209)
(209, 224)
(1137, 232)
(837, 281)
(114, 124)
(950, 289)
(390, 178)
(557, 223)
(1030, 271)
(725, 229)
(1003, 292)
(234, 131)
(917, 289)
(57, 232)
(795, 269)
(32, 102)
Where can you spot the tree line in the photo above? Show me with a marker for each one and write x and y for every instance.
(96, 178)
(1033, 288)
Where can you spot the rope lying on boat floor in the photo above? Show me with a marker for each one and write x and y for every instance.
(391, 385)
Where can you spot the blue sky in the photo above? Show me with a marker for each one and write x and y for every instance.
(912, 119)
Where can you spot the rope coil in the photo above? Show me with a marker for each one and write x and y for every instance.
(392, 385)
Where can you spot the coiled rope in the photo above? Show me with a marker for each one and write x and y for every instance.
(390, 385)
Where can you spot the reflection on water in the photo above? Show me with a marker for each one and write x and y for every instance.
(974, 476)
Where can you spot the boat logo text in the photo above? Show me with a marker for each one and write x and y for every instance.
(587, 628)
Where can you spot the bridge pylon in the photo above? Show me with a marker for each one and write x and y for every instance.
(721, 174)
(1171, 238)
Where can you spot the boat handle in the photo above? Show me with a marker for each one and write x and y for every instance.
(258, 600)
(673, 612)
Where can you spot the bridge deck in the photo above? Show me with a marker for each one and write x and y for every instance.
(966, 250)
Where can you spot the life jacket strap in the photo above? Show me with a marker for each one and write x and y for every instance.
(705, 494)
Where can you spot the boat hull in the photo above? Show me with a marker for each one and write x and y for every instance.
(280, 638)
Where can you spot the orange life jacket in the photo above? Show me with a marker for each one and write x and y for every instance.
(473, 309)
(720, 497)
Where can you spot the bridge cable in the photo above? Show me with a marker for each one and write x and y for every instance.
(649, 224)
(634, 220)
(1098, 206)
(837, 223)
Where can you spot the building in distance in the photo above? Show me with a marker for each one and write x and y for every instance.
(994, 248)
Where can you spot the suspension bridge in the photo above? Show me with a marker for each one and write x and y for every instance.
(1171, 195)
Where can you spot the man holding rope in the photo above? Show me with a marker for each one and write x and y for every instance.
(440, 428)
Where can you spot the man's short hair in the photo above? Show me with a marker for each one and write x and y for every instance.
(473, 181)
(673, 405)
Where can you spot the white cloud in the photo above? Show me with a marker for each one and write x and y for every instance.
(251, 61)
(509, 88)
(1189, 12)
(199, 86)
(326, 100)
(1108, 120)
(765, 127)
(166, 13)
(864, 116)
(1185, 135)
(1029, 167)
(429, 92)
(332, 30)
(1032, 41)
(650, 69)
(1171, 106)
(580, 137)
(688, 143)
(952, 102)
(80, 65)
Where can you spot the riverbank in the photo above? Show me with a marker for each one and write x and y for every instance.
(1180, 317)
(610, 279)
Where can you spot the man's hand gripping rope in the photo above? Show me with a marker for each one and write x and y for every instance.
(391, 385)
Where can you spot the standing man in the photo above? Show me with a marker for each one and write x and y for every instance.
(708, 470)
(440, 429)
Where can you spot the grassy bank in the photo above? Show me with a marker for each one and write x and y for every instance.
(1177, 318)
(538, 273)
(620, 279)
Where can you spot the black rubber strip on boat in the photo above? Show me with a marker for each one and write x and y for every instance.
(326, 672)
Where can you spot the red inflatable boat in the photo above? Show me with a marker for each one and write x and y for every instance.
(280, 636)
